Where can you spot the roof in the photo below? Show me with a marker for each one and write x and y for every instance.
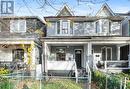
(68, 10)
(82, 18)
(107, 7)
(21, 17)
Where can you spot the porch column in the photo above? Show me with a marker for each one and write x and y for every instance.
(129, 56)
(89, 49)
(45, 57)
(118, 52)
(89, 54)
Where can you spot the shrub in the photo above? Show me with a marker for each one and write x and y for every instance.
(5, 83)
(3, 71)
(101, 79)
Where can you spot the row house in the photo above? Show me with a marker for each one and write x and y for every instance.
(19, 42)
(76, 42)
(67, 45)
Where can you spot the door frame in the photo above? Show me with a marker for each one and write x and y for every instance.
(81, 56)
(106, 52)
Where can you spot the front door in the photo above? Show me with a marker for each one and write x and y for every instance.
(78, 57)
(124, 52)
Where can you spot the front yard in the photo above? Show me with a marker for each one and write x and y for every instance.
(36, 84)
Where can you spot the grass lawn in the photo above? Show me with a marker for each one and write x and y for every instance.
(35, 84)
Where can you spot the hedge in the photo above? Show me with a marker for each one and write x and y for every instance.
(103, 80)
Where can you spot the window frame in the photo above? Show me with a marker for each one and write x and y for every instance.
(65, 30)
(17, 25)
(16, 53)
(99, 30)
(58, 53)
(106, 57)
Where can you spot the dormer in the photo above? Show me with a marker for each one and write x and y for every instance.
(65, 11)
(105, 11)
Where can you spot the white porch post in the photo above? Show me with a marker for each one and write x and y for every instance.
(45, 57)
(89, 54)
(85, 54)
(118, 52)
(129, 57)
(89, 49)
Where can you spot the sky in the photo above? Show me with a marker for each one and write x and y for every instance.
(34, 8)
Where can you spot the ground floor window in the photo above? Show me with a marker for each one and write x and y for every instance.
(18, 55)
(60, 54)
(106, 53)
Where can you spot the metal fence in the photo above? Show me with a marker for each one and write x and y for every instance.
(44, 82)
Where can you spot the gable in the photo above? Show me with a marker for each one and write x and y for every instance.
(105, 11)
(65, 11)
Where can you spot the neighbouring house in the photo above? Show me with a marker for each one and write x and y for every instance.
(19, 42)
(74, 42)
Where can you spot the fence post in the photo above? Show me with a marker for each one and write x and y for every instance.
(106, 82)
(40, 84)
(125, 83)
(121, 84)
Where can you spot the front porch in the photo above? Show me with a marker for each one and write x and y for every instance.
(111, 56)
(16, 56)
(103, 54)
(61, 57)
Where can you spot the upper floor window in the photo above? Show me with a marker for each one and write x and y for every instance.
(18, 26)
(78, 25)
(58, 27)
(65, 27)
(105, 26)
(97, 27)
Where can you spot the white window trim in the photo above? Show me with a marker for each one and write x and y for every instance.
(18, 31)
(99, 26)
(61, 23)
(106, 52)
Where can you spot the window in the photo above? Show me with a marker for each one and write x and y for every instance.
(116, 28)
(65, 27)
(58, 27)
(89, 27)
(106, 53)
(97, 27)
(105, 26)
(60, 54)
(18, 55)
(18, 26)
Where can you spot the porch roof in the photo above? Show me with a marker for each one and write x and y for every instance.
(102, 39)
(16, 40)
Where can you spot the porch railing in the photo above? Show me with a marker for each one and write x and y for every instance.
(89, 74)
(63, 65)
(121, 64)
(12, 65)
(60, 65)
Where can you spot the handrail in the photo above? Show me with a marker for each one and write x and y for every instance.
(76, 71)
(89, 74)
